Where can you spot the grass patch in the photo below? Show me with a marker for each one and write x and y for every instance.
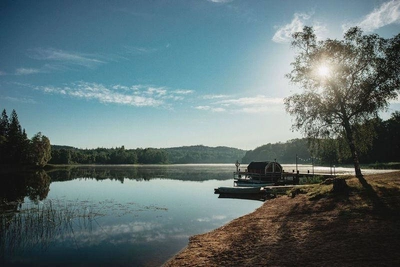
(316, 179)
(314, 192)
(319, 191)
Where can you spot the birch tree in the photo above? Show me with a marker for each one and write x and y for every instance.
(344, 83)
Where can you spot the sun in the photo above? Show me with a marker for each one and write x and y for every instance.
(323, 71)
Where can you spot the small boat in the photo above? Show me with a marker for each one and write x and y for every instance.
(239, 190)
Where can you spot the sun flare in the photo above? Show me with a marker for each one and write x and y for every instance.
(323, 71)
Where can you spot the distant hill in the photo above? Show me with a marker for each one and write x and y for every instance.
(58, 147)
(282, 152)
(204, 154)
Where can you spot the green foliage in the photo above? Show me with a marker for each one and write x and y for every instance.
(384, 147)
(282, 152)
(152, 156)
(4, 124)
(177, 155)
(16, 148)
(119, 155)
(386, 143)
(203, 154)
(40, 150)
(363, 77)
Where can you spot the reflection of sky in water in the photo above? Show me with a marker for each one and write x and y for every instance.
(136, 223)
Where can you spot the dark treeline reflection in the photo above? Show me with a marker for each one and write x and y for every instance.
(145, 173)
(14, 187)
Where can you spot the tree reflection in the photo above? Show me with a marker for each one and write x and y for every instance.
(16, 186)
(145, 173)
(13, 190)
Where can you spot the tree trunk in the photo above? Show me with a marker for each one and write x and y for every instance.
(356, 162)
(352, 146)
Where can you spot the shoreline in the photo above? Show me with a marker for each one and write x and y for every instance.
(312, 228)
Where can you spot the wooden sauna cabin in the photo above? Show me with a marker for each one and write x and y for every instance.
(259, 173)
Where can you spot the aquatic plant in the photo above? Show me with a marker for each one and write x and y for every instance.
(35, 226)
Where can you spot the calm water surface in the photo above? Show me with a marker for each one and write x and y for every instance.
(136, 216)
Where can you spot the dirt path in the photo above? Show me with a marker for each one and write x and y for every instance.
(360, 228)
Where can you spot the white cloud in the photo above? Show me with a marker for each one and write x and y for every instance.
(156, 91)
(27, 71)
(218, 109)
(183, 92)
(387, 13)
(220, 1)
(20, 100)
(209, 108)
(284, 33)
(203, 107)
(138, 95)
(137, 50)
(258, 104)
(2, 73)
(246, 101)
(57, 60)
(120, 87)
(214, 96)
(66, 57)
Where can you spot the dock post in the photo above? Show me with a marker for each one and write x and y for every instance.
(312, 162)
(237, 164)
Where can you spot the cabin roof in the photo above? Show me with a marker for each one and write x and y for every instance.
(260, 165)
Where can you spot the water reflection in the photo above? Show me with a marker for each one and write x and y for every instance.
(15, 227)
(108, 216)
(145, 173)
(16, 186)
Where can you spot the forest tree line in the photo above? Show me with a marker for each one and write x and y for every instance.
(120, 155)
(17, 149)
(15, 146)
(383, 146)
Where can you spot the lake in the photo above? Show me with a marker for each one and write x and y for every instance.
(118, 215)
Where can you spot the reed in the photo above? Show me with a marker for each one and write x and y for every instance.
(37, 225)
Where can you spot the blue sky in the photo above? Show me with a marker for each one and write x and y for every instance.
(164, 73)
